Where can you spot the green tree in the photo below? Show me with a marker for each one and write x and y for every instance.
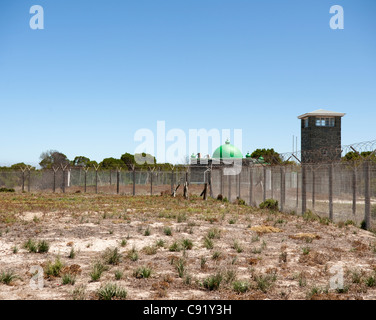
(80, 161)
(111, 163)
(52, 158)
(355, 156)
(269, 155)
(128, 160)
(91, 164)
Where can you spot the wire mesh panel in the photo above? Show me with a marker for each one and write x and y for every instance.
(258, 185)
(343, 191)
(320, 190)
(373, 193)
(292, 189)
(216, 182)
(276, 183)
(244, 184)
(11, 180)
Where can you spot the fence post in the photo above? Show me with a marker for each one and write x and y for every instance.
(250, 186)
(237, 189)
(282, 188)
(96, 179)
(229, 187)
(172, 179)
(304, 188)
(54, 185)
(297, 191)
(367, 195)
(313, 187)
(85, 176)
(222, 184)
(63, 185)
(134, 180)
(271, 183)
(151, 180)
(211, 182)
(29, 180)
(331, 191)
(117, 180)
(23, 180)
(264, 185)
(354, 187)
(110, 177)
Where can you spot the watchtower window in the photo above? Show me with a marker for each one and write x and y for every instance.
(324, 122)
(306, 123)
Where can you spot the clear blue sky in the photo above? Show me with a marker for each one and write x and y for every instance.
(100, 70)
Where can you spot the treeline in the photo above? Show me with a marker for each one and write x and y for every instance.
(54, 159)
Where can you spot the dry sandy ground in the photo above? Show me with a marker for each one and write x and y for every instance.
(273, 255)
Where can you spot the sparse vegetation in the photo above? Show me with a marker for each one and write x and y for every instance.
(112, 256)
(241, 286)
(270, 204)
(7, 277)
(53, 269)
(213, 282)
(142, 272)
(111, 291)
(97, 270)
(237, 261)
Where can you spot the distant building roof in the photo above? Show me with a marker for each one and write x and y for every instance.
(321, 112)
(227, 151)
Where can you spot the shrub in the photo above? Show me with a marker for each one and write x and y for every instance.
(150, 250)
(217, 255)
(180, 267)
(133, 254)
(263, 282)
(241, 202)
(68, 278)
(43, 246)
(79, 293)
(237, 247)
(370, 281)
(214, 234)
(310, 216)
(72, 254)
(241, 286)
(147, 232)
(187, 244)
(97, 270)
(118, 274)
(110, 291)
(7, 277)
(31, 246)
(142, 272)
(167, 231)
(53, 269)
(208, 243)
(175, 247)
(270, 204)
(213, 282)
(7, 190)
(112, 256)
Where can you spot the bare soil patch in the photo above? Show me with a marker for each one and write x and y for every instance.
(159, 247)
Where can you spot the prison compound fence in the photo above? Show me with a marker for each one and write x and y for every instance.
(343, 189)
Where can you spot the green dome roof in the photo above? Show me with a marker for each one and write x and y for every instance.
(227, 151)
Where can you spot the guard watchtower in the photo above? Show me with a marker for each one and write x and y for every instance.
(321, 136)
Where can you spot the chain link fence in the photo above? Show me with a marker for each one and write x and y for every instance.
(342, 190)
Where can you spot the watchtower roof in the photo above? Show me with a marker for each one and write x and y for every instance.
(323, 113)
